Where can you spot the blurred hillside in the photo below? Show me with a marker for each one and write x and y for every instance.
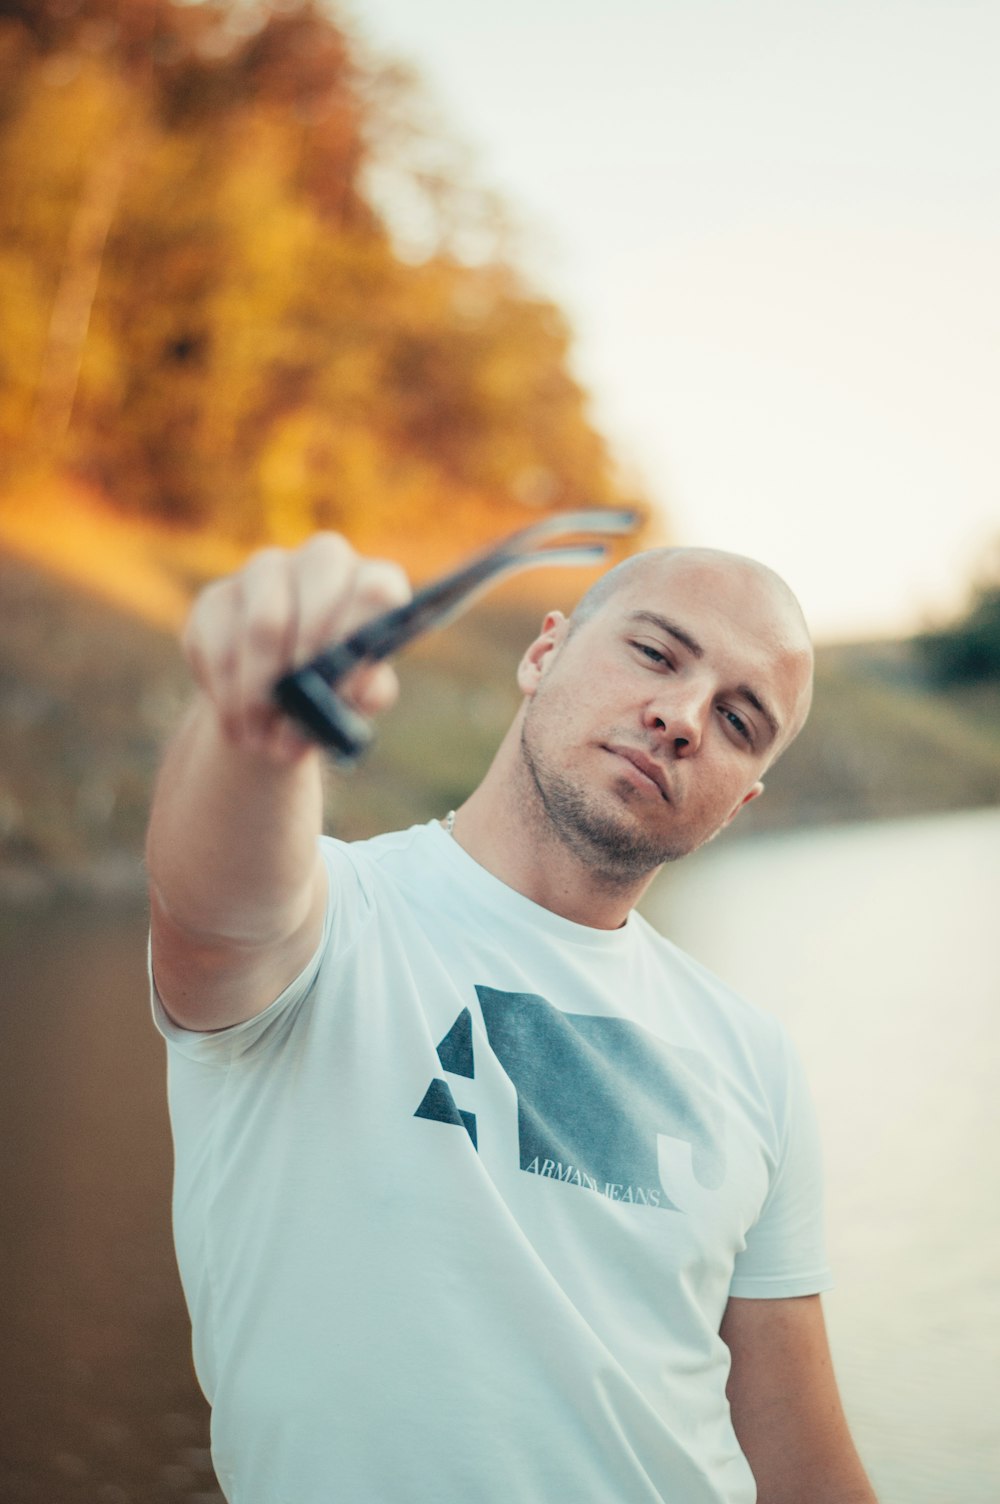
(89, 690)
(244, 289)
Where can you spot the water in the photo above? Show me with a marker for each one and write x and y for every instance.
(875, 943)
(877, 946)
(100, 1403)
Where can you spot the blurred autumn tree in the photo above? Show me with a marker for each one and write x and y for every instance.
(203, 312)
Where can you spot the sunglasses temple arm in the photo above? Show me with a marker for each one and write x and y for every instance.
(390, 631)
(443, 598)
(434, 605)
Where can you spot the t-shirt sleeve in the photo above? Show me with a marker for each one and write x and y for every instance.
(348, 903)
(785, 1253)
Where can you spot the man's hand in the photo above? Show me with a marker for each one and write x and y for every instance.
(277, 612)
(238, 890)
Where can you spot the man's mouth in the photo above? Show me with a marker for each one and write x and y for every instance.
(647, 766)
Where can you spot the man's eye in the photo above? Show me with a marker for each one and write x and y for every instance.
(653, 654)
(738, 723)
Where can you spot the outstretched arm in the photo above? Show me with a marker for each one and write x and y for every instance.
(786, 1407)
(237, 889)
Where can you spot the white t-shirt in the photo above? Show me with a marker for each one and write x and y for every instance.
(458, 1216)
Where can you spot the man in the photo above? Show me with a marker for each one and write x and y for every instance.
(484, 1191)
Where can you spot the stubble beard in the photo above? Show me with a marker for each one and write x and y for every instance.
(614, 846)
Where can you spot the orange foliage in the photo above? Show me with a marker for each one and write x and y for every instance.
(203, 315)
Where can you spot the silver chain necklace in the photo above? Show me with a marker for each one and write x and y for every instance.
(449, 823)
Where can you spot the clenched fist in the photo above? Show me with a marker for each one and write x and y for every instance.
(281, 609)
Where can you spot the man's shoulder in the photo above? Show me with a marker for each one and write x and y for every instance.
(374, 852)
(395, 865)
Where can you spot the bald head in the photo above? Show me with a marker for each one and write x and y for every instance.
(752, 596)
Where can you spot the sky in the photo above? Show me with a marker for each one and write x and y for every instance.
(775, 228)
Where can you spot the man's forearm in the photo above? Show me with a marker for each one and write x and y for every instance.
(232, 837)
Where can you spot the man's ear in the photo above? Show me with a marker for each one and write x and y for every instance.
(754, 793)
(541, 653)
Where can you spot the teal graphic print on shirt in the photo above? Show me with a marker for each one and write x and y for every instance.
(593, 1096)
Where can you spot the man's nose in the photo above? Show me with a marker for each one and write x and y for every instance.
(678, 717)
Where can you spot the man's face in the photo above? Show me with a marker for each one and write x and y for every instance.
(648, 726)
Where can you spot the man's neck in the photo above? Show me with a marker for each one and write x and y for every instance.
(504, 827)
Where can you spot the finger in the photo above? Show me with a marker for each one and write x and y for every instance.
(323, 572)
(321, 575)
(379, 586)
(268, 626)
(371, 689)
(210, 642)
(373, 586)
(337, 591)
